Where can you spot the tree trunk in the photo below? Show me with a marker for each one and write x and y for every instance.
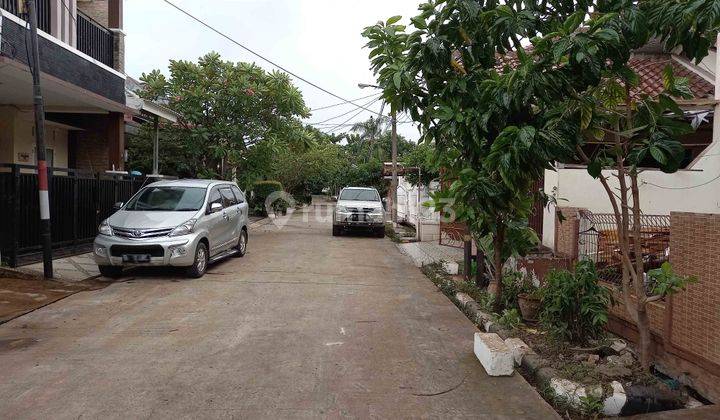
(495, 286)
(643, 323)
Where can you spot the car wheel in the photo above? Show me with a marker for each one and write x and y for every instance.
(198, 268)
(380, 232)
(241, 247)
(110, 271)
(337, 231)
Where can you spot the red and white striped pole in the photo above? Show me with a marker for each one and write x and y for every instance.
(42, 171)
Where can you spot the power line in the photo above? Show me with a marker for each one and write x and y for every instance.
(351, 124)
(222, 34)
(683, 188)
(346, 121)
(342, 103)
(345, 113)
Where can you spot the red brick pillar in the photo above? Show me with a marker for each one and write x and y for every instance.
(567, 232)
(116, 140)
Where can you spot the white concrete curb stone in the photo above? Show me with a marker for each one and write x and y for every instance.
(571, 391)
(494, 354)
(518, 349)
(612, 406)
(463, 298)
(451, 268)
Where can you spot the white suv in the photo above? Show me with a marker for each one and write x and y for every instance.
(359, 208)
(184, 223)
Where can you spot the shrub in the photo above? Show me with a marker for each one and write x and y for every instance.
(260, 192)
(303, 198)
(575, 305)
(510, 318)
(515, 283)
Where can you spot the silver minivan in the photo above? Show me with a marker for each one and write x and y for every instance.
(182, 223)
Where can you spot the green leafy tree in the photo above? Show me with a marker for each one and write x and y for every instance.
(226, 108)
(423, 161)
(372, 139)
(505, 88)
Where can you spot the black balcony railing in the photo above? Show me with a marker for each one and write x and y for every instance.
(43, 7)
(94, 40)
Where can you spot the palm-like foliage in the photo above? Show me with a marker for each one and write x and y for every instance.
(370, 131)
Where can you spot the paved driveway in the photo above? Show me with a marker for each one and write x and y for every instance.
(306, 325)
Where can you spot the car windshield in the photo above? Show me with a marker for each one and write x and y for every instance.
(359, 195)
(167, 199)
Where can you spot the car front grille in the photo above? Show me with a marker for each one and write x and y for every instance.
(364, 210)
(140, 233)
(152, 250)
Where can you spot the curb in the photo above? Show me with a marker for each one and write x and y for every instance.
(21, 274)
(621, 401)
(262, 222)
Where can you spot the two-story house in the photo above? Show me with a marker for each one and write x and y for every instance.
(82, 63)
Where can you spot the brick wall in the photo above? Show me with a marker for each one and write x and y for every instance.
(96, 9)
(567, 231)
(690, 350)
(695, 250)
(92, 151)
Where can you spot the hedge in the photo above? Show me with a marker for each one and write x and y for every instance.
(260, 191)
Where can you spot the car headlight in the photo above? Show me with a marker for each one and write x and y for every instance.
(105, 229)
(342, 209)
(377, 211)
(184, 229)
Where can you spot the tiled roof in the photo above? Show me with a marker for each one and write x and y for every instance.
(649, 68)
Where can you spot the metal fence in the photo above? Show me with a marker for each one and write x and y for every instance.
(43, 9)
(94, 39)
(78, 203)
(598, 241)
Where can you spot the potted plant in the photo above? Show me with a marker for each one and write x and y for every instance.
(529, 300)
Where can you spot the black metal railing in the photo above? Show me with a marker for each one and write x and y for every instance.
(79, 201)
(598, 241)
(94, 39)
(43, 8)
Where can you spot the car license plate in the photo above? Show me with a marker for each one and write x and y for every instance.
(136, 258)
(358, 218)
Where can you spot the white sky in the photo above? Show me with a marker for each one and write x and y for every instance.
(319, 40)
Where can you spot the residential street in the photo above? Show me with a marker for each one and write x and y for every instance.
(305, 325)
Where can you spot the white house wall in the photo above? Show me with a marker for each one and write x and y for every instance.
(660, 193)
(696, 189)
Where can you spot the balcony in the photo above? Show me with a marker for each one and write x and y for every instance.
(43, 7)
(94, 39)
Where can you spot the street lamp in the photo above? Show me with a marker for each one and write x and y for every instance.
(394, 182)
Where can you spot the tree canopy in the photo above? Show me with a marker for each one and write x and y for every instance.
(226, 108)
(503, 89)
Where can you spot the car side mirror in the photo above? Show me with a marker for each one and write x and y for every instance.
(117, 206)
(384, 203)
(215, 207)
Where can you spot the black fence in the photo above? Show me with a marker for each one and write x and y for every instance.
(43, 9)
(599, 242)
(94, 39)
(78, 203)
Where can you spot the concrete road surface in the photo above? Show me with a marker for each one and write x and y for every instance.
(304, 326)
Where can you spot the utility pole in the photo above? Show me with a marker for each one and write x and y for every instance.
(42, 171)
(394, 183)
(156, 147)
